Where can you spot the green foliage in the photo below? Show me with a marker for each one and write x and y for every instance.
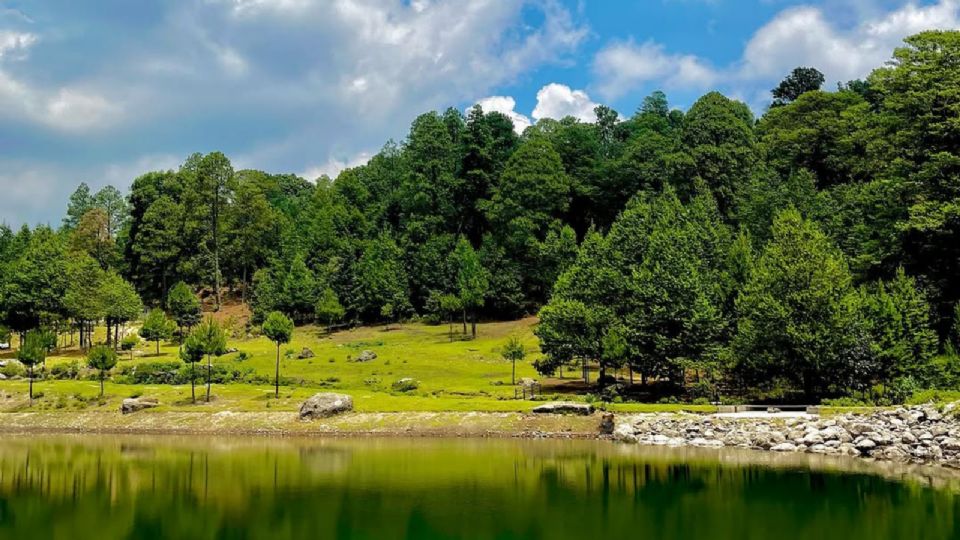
(800, 81)
(156, 327)
(328, 308)
(798, 315)
(278, 328)
(102, 359)
(33, 350)
(183, 306)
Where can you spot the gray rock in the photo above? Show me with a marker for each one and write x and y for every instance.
(706, 443)
(325, 404)
(865, 445)
(784, 447)
(564, 407)
(950, 444)
(305, 353)
(624, 433)
(132, 405)
(3, 377)
(366, 356)
(812, 438)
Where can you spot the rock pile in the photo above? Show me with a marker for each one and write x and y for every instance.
(922, 434)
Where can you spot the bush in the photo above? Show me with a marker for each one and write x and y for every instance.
(901, 389)
(612, 392)
(151, 373)
(70, 370)
(405, 385)
(13, 369)
(847, 402)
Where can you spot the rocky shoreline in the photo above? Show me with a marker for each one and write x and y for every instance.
(918, 434)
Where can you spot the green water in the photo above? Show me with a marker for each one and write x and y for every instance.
(104, 487)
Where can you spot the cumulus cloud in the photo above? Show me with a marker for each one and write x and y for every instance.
(559, 101)
(506, 105)
(805, 36)
(554, 100)
(801, 35)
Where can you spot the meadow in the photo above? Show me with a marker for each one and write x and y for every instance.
(452, 373)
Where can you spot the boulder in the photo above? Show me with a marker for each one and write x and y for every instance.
(606, 424)
(366, 356)
(865, 445)
(305, 353)
(564, 407)
(784, 447)
(325, 404)
(132, 405)
(624, 433)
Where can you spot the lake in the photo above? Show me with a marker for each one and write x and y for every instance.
(104, 487)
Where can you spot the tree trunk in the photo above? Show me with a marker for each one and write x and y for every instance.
(193, 383)
(30, 375)
(464, 321)
(630, 368)
(276, 383)
(586, 373)
(216, 246)
(243, 287)
(158, 347)
(513, 375)
(208, 378)
(101, 383)
(473, 323)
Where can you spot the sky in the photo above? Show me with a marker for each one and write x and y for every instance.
(103, 91)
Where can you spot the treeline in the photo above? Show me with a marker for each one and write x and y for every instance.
(815, 249)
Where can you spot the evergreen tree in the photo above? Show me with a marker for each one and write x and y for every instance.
(798, 317)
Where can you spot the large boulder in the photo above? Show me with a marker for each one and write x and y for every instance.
(325, 404)
(132, 405)
(366, 356)
(305, 353)
(564, 407)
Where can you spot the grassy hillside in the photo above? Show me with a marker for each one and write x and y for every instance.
(453, 375)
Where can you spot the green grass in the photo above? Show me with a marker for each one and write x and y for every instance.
(454, 375)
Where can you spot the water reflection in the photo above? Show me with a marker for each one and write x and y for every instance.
(141, 487)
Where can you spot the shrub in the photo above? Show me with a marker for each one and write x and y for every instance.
(70, 370)
(13, 369)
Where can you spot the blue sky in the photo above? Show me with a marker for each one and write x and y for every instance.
(102, 91)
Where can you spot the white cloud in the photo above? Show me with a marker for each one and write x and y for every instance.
(279, 85)
(621, 67)
(806, 36)
(554, 100)
(334, 166)
(68, 108)
(559, 101)
(12, 43)
(506, 105)
(797, 36)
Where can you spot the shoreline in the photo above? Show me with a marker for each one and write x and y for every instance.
(287, 424)
(921, 435)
